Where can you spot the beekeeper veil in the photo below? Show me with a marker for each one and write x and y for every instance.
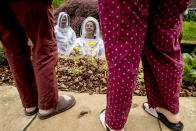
(96, 23)
(60, 17)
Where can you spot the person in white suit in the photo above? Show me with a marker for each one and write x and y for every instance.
(90, 43)
(65, 35)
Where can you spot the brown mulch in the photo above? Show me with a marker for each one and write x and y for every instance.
(86, 75)
(188, 89)
(5, 75)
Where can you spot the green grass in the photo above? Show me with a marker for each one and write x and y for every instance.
(56, 3)
(189, 29)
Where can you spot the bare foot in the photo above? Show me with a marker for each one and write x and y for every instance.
(114, 130)
(44, 112)
(173, 118)
(30, 109)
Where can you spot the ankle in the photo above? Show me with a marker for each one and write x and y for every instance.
(173, 118)
(30, 109)
(165, 111)
(45, 111)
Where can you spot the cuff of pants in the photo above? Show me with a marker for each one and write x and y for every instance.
(116, 122)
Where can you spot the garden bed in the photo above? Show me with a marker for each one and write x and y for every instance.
(86, 75)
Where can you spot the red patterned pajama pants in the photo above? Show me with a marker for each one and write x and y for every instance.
(147, 30)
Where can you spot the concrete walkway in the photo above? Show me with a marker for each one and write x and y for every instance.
(84, 116)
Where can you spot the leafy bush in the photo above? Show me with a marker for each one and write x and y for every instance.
(190, 67)
(56, 3)
(2, 56)
(189, 17)
(75, 71)
(141, 74)
(189, 29)
(194, 51)
(78, 11)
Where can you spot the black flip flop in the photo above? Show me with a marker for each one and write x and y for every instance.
(173, 126)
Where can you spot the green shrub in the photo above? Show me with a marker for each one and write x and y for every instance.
(141, 74)
(56, 3)
(2, 56)
(189, 17)
(75, 71)
(194, 51)
(189, 29)
(190, 67)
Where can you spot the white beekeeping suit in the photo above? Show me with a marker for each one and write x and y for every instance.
(65, 36)
(94, 47)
